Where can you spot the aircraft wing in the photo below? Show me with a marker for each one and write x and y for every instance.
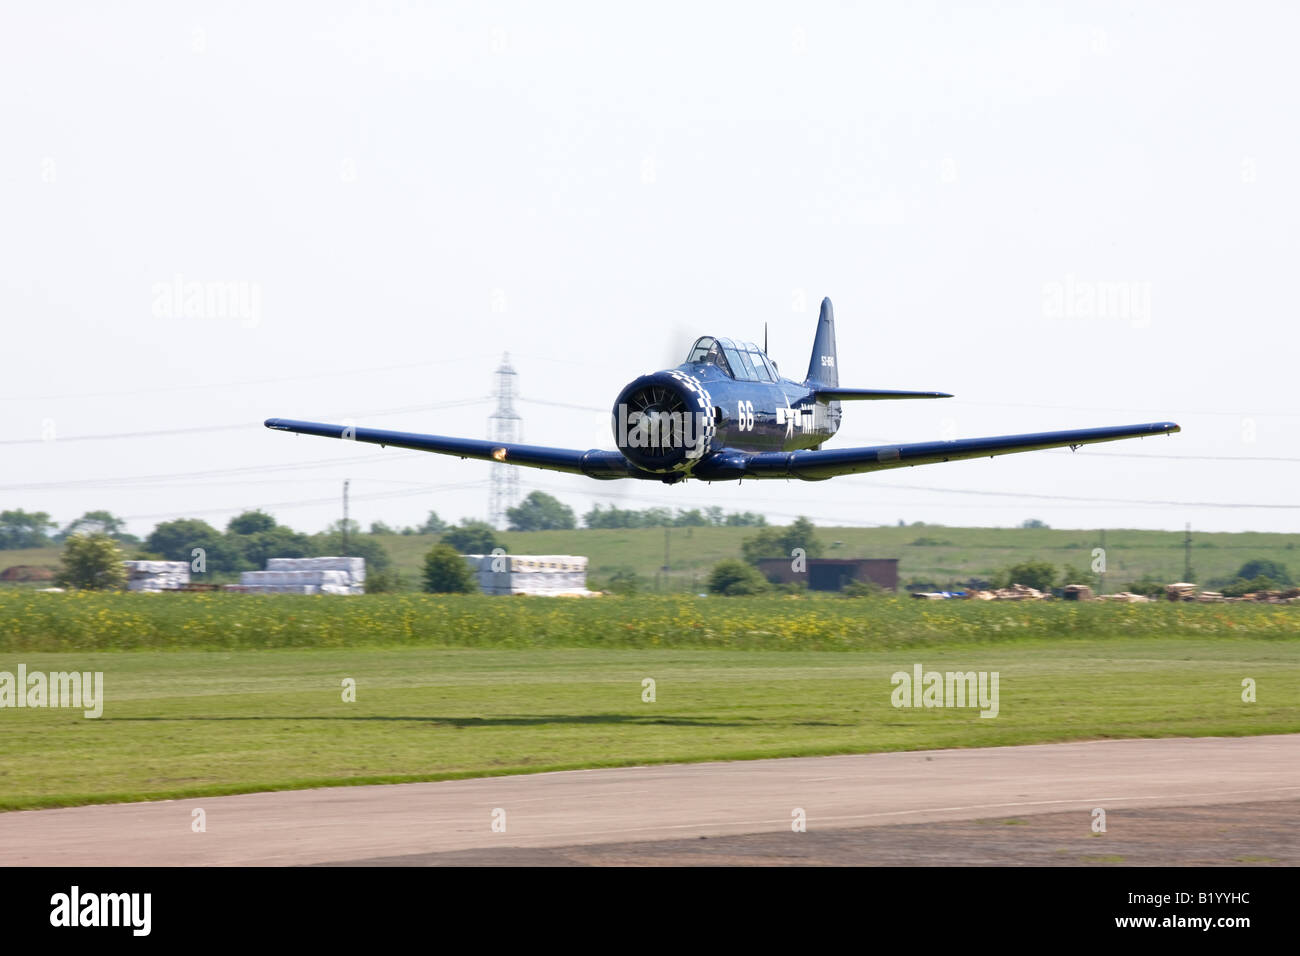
(592, 463)
(827, 463)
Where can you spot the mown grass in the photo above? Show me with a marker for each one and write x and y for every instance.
(185, 723)
(226, 693)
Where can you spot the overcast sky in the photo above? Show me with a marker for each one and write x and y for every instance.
(1067, 215)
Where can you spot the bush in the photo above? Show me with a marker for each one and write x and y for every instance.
(1146, 585)
(623, 581)
(861, 589)
(733, 577)
(445, 572)
(1039, 575)
(92, 562)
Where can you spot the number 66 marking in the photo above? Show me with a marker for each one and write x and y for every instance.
(745, 416)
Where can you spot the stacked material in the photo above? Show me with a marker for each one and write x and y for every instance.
(1078, 592)
(157, 575)
(1126, 597)
(541, 574)
(307, 576)
(1019, 592)
(1181, 591)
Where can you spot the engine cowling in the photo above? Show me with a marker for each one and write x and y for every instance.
(664, 422)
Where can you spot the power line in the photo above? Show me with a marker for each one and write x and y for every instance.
(243, 383)
(200, 429)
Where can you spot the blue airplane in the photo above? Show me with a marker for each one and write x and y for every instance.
(726, 414)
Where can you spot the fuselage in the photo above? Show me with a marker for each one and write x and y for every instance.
(726, 397)
(766, 416)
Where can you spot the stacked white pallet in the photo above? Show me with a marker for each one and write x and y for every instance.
(156, 575)
(355, 568)
(308, 576)
(540, 574)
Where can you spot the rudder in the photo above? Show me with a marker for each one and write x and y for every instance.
(823, 366)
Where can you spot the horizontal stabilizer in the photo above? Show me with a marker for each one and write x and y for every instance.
(837, 393)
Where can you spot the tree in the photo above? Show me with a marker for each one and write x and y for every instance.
(250, 522)
(802, 534)
(768, 543)
(733, 577)
(378, 527)
(359, 546)
(540, 512)
(1040, 575)
(277, 542)
(445, 572)
(773, 542)
(92, 562)
(1273, 571)
(1033, 523)
(433, 524)
(98, 522)
(176, 541)
(24, 529)
(471, 537)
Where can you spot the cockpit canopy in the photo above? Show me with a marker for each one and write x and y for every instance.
(743, 361)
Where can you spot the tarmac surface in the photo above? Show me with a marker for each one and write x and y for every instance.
(1206, 800)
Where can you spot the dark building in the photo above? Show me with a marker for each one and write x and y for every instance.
(831, 574)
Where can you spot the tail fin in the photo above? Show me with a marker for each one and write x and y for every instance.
(822, 368)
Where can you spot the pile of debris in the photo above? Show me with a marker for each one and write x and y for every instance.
(329, 575)
(1126, 597)
(1020, 592)
(157, 575)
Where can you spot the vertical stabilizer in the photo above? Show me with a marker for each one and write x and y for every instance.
(822, 368)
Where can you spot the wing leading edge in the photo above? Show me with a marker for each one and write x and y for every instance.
(592, 463)
(728, 464)
(828, 463)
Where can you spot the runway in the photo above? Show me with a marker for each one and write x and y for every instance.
(489, 819)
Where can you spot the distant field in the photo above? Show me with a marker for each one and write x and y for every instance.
(931, 552)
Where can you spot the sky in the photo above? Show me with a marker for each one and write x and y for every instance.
(1068, 215)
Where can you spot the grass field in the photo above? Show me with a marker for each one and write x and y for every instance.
(543, 684)
(929, 552)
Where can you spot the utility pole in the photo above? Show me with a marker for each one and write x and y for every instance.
(345, 517)
(1187, 553)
